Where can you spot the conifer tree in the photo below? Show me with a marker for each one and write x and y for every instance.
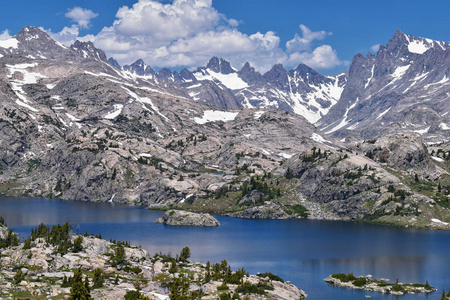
(79, 290)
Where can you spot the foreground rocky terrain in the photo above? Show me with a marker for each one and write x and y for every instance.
(49, 263)
(75, 126)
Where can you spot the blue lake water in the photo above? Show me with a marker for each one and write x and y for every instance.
(302, 251)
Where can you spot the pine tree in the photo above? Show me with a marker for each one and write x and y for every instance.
(99, 278)
(79, 290)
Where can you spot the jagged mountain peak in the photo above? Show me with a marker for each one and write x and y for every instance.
(140, 68)
(88, 50)
(249, 74)
(277, 75)
(114, 63)
(220, 65)
(303, 70)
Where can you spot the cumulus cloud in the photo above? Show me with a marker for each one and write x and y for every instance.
(187, 33)
(5, 35)
(81, 16)
(323, 57)
(300, 43)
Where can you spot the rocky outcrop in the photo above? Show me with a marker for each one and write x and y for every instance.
(185, 218)
(42, 269)
(269, 210)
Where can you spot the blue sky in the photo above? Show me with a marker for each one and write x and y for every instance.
(263, 32)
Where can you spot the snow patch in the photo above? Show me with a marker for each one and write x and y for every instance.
(145, 155)
(72, 117)
(437, 158)
(285, 155)
(231, 81)
(318, 138)
(115, 113)
(194, 86)
(258, 114)
(383, 113)
(400, 71)
(418, 47)
(444, 126)
(422, 131)
(26, 105)
(439, 221)
(216, 115)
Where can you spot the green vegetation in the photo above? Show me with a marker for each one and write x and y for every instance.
(344, 277)
(98, 278)
(135, 295)
(10, 240)
(57, 235)
(250, 288)
(118, 258)
(445, 296)
(80, 290)
(270, 276)
(299, 209)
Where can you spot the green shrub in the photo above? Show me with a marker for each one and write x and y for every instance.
(344, 277)
(271, 276)
(77, 244)
(250, 288)
(223, 287)
(360, 281)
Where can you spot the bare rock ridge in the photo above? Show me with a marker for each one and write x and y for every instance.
(185, 218)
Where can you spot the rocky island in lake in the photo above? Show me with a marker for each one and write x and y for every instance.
(368, 283)
(186, 218)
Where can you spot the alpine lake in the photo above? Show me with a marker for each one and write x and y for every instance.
(301, 251)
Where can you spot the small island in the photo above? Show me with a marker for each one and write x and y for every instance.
(368, 283)
(186, 218)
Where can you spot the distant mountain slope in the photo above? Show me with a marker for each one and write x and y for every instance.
(75, 127)
(403, 88)
(302, 91)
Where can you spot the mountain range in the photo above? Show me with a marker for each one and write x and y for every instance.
(77, 125)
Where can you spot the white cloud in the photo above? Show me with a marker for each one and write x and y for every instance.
(304, 42)
(81, 16)
(323, 57)
(375, 48)
(5, 35)
(189, 32)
